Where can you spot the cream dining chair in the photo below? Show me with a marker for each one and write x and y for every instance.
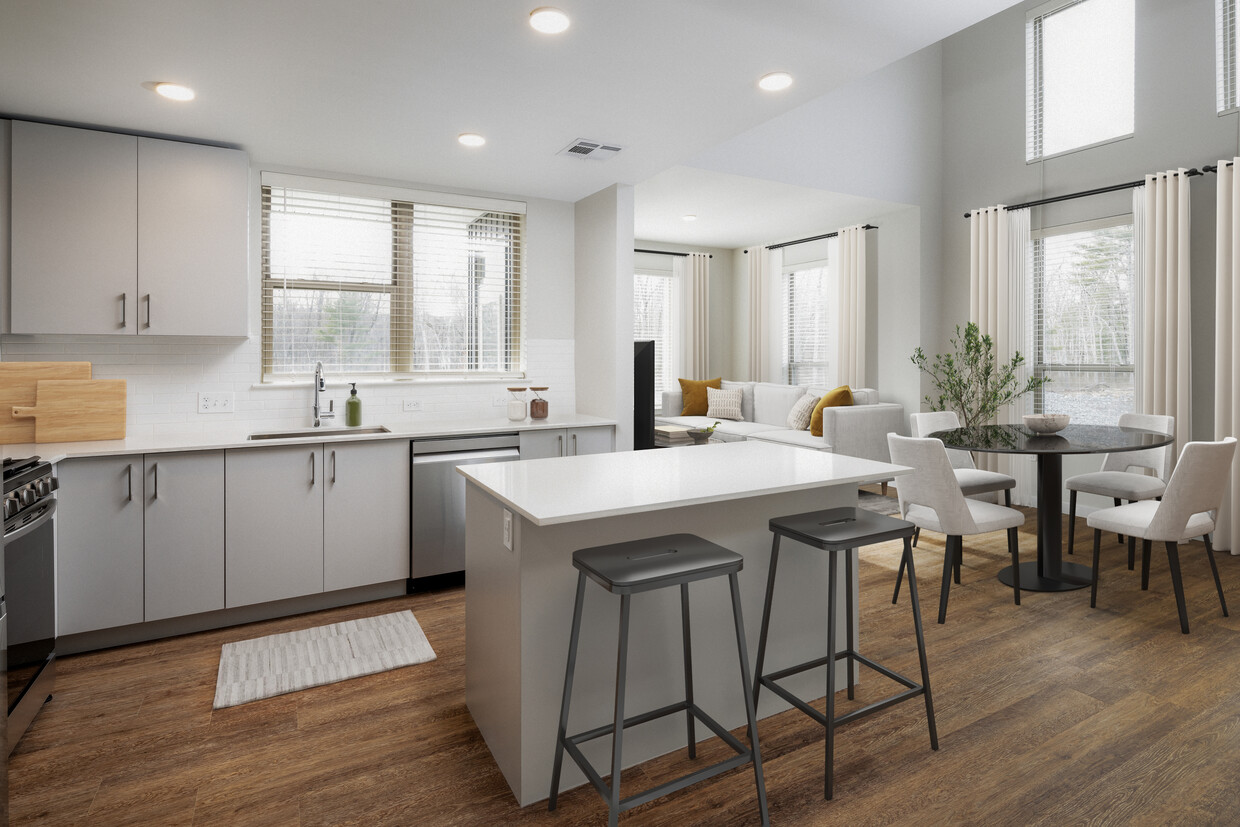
(1187, 510)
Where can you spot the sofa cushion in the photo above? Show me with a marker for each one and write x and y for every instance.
(800, 439)
(798, 417)
(836, 398)
(861, 396)
(771, 403)
(694, 391)
(746, 389)
(723, 404)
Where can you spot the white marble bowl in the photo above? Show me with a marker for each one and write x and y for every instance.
(1045, 423)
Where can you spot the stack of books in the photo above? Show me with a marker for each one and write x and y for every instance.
(667, 436)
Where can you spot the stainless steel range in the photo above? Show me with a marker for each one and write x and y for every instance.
(28, 591)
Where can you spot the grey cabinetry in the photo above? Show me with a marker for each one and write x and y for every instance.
(599, 440)
(274, 523)
(567, 442)
(99, 554)
(184, 519)
(116, 234)
(365, 513)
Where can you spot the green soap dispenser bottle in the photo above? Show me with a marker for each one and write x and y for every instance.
(353, 408)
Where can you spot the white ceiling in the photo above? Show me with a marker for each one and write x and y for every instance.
(382, 87)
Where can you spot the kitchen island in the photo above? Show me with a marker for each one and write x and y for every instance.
(525, 519)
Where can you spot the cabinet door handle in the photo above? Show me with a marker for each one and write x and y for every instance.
(124, 310)
(148, 310)
(312, 464)
(155, 481)
(333, 467)
(574, 445)
(560, 442)
(129, 480)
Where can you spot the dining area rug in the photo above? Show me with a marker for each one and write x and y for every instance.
(273, 665)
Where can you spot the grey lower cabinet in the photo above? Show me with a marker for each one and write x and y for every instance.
(567, 442)
(184, 520)
(365, 514)
(99, 552)
(273, 503)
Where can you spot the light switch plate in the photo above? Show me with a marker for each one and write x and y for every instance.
(216, 402)
(507, 529)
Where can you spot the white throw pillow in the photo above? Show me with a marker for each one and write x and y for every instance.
(723, 404)
(799, 416)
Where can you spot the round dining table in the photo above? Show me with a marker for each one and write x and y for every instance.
(1050, 573)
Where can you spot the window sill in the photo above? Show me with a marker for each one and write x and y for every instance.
(1076, 149)
(283, 384)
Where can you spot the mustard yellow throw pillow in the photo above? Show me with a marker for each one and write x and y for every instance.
(831, 399)
(694, 392)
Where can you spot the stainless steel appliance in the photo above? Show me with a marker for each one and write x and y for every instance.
(438, 497)
(29, 591)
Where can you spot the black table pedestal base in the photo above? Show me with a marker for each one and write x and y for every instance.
(1030, 581)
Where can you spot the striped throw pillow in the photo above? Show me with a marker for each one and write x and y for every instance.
(723, 404)
(798, 417)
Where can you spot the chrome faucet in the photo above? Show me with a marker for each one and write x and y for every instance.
(321, 385)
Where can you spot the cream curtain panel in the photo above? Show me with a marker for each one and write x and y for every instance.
(851, 302)
(1226, 344)
(1161, 221)
(694, 277)
(762, 264)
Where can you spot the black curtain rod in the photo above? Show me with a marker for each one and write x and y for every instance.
(669, 253)
(1099, 191)
(1214, 167)
(813, 238)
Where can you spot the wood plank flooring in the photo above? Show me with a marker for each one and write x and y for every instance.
(1048, 713)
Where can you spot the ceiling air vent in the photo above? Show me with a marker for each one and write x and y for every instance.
(592, 150)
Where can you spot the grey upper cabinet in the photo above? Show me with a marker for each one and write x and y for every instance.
(273, 523)
(75, 229)
(192, 233)
(116, 234)
(184, 519)
(99, 550)
(365, 514)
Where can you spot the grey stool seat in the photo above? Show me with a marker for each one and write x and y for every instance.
(640, 566)
(834, 530)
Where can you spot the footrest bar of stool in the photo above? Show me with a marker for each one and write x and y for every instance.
(770, 684)
(883, 670)
(584, 764)
(644, 718)
(802, 667)
(715, 727)
(877, 705)
(684, 781)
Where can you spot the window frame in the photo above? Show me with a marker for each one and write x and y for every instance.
(1227, 84)
(673, 349)
(827, 264)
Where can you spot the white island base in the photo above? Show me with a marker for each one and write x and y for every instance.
(519, 603)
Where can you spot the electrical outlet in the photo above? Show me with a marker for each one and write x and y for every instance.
(221, 402)
(409, 405)
(507, 529)
(499, 402)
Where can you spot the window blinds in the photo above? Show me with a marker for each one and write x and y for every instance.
(1084, 325)
(809, 308)
(654, 318)
(378, 286)
(1225, 43)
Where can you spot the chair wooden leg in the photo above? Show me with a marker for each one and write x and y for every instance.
(1071, 520)
(1218, 584)
(1014, 550)
(1173, 562)
(1145, 565)
(1118, 503)
(948, 556)
(916, 536)
(959, 558)
(884, 489)
(1093, 589)
(1132, 552)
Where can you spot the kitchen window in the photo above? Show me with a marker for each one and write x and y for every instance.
(810, 316)
(386, 283)
(1080, 75)
(1084, 330)
(1225, 43)
(656, 313)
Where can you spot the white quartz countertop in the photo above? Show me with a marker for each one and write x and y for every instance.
(569, 489)
(225, 438)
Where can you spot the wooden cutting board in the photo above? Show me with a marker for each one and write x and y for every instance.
(77, 410)
(17, 389)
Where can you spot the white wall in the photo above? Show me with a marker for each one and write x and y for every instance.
(603, 256)
(165, 374)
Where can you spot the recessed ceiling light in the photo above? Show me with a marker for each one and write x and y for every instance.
(689, 217)
(471, 139)
(548, 20)
(775, 81)
(175, 91)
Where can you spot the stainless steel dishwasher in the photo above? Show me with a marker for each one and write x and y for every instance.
(437, 509)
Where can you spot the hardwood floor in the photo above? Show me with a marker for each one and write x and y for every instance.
(1048, 713)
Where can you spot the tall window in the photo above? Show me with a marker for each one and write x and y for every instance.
(810, 317)
(386, 287)
(1084, 300)
(1225, 30)
(1080, 74)
(655, 315)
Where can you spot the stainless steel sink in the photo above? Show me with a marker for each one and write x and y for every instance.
(300, 433)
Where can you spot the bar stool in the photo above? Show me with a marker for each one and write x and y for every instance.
(639, 566)
(834, 530)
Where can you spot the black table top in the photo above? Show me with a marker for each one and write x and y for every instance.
(1074, 439)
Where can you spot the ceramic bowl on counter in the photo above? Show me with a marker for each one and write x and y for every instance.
(1046, 423)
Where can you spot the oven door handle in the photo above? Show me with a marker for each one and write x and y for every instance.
(48, 510)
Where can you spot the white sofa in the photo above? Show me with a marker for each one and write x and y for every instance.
(859, 430)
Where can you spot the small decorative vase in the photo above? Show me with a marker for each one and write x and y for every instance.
(516, 405)
(538, 405)
(700, 437)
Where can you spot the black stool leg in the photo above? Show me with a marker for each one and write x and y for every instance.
(829, 780)
(850, 625)
(684, 623)
(622, 664)
(1173, 562)
(1218, 584)
(573, 638)
(1071, 519)
(750, 707)
(921, 643)
(895, 596)
(766, 618)
(1093, 589)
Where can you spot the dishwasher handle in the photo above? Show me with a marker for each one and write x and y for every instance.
(468, 457)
